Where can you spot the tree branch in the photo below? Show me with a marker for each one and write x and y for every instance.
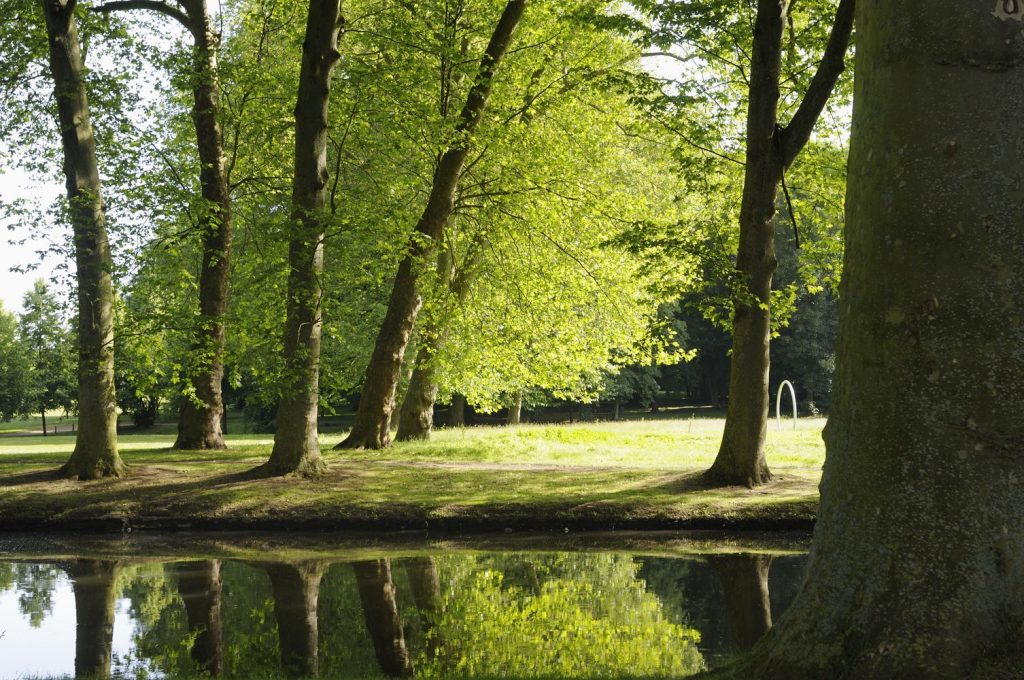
(794, 136)
(152, 5)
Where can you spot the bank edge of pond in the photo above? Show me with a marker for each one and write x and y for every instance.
(797, 517)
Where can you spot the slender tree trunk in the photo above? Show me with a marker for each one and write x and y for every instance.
(377, 594)
(457, 415)
(95, 595)
(918, 555)
(95, 454)
(770, 149)
(744, 580)
(199, 586)
(296, 593)
(43, 413)
(515, 410)
(296, 446)
(372, 428)
(199, 424)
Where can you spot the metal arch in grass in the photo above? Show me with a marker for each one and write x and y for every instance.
(778, 403)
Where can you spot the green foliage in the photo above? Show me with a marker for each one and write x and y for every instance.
(50, 348)
(16, 384)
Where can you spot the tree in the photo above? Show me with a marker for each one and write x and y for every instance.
(15, 376)
(372, 428)
(771, 149)
(296, 447)
(94, 584)
(95, 454)
(199, 425)
(296, 591)
(49, 345)
(917, 559)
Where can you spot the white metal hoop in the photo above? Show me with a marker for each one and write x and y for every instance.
(778, 403)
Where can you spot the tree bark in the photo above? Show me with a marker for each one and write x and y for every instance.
(918, 555)
(199, 424)
(95, 595)
(95, 454)
(372, 427)
(744, 580)
(296, 593)
(457, 416)
(296, 445)
(199, 586)
(377, 594)
(43, 414)
(416, 418)
(515, 410)
(770, 150)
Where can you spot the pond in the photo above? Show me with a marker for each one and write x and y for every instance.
(638, 605)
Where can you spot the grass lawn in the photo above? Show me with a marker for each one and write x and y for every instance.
(636, 474)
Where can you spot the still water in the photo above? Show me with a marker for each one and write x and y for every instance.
(643, 606)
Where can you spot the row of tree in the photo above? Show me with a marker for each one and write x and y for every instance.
(463, 201)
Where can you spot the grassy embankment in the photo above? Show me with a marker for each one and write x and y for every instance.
(637, 474)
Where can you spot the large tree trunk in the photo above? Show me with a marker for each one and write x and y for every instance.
(199, 586)
(93, 583)
(296, 446)
(744, 580)
(457, 414)
(199, 424)
(95, 453)
(372, 427)
(770, 149)
(377, 594)
(918, 558)
(296, 593)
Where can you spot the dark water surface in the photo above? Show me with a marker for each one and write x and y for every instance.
(639, 605)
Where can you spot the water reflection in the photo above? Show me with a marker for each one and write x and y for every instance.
(484, 614)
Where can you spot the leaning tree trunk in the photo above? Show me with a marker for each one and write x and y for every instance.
(199, 586)
(918, 554)
(93, 584)
(199, 424)
(296, 591)
(95, 453)
(770, 150)
(372, 427)
(744, 580)
(377, 594)
(296, 446)
(416, 417)
(426, 593)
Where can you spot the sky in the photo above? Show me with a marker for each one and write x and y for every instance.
(15, 184)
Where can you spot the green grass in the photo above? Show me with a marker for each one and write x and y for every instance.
(637, 473)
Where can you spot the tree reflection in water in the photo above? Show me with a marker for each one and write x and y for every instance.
(461, 615)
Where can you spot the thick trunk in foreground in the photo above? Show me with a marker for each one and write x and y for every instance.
(296, 591)
(95, 453)
(372, 427)
(93, 584)
(377, 594)
(199, 586)
(918, 554)
(199, 424)
(744, 580)
(296, 446)
(770, 150)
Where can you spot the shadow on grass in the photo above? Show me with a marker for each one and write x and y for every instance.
(33, 477)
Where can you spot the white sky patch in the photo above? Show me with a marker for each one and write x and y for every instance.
(15, 185)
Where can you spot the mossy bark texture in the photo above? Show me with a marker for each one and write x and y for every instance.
(95, 454)
(296, 445)
(918, 559)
